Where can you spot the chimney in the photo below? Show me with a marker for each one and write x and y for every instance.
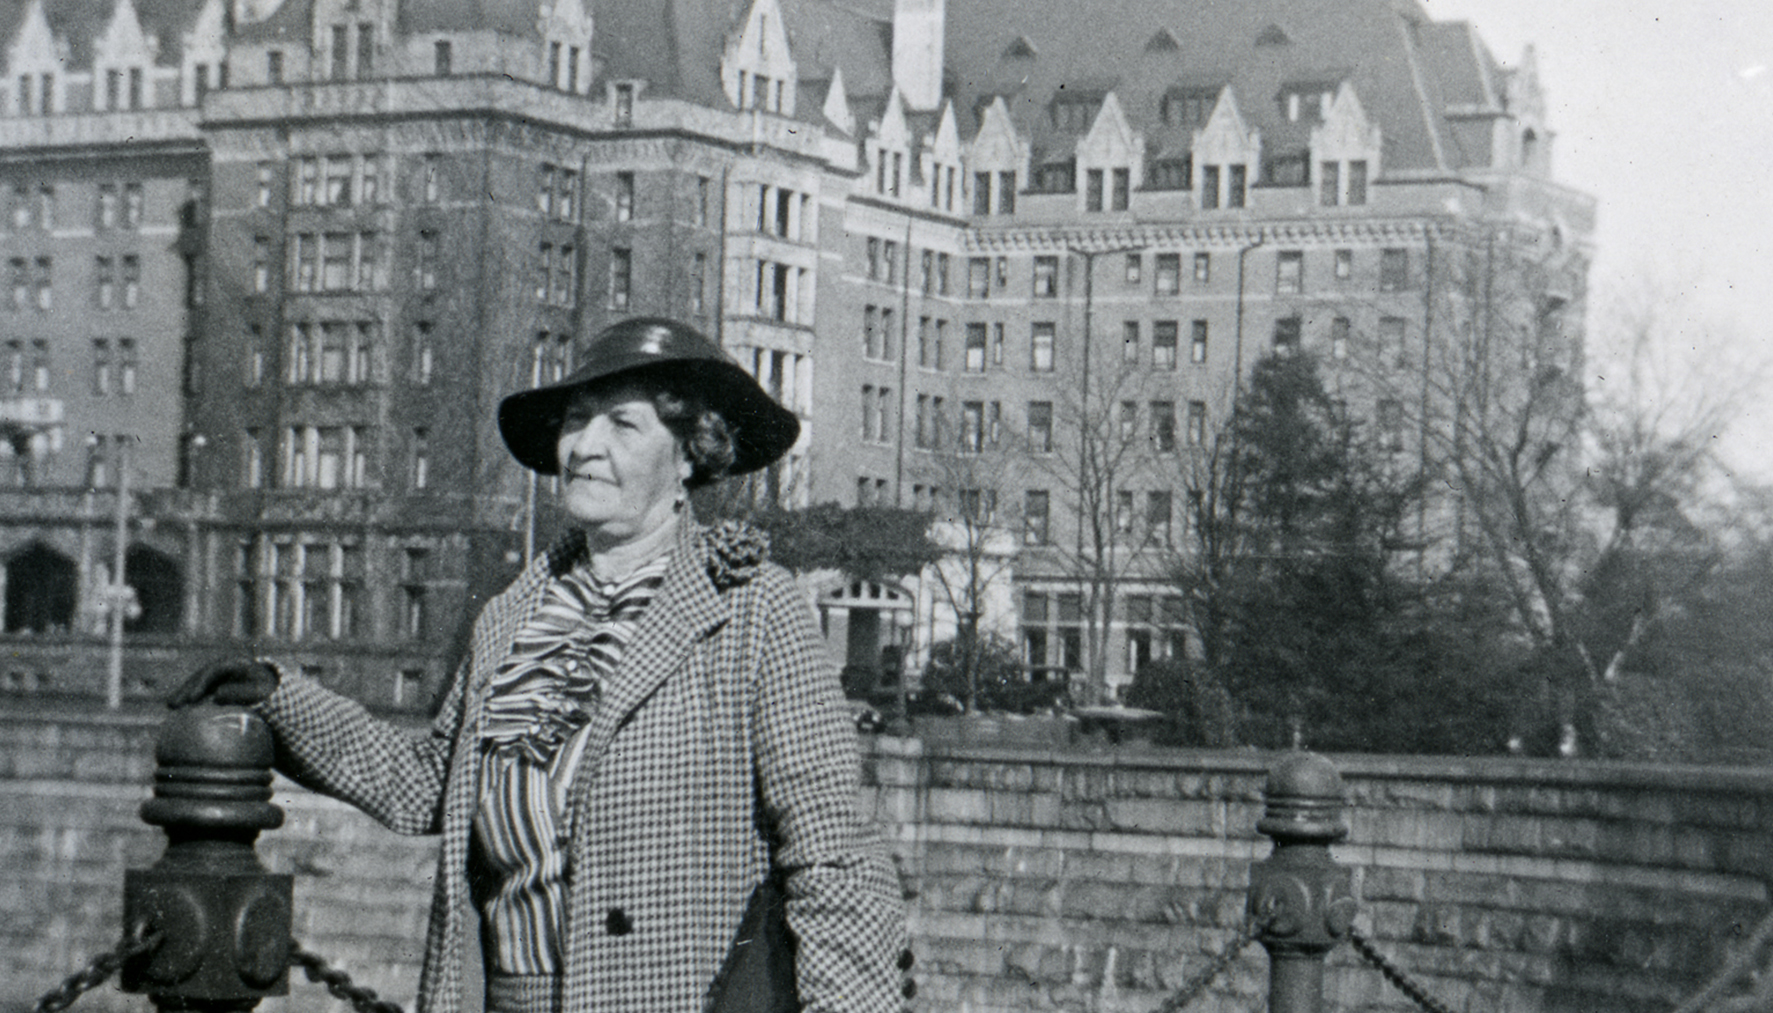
(918, 32)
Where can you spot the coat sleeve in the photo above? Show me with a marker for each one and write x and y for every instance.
(845, 903)
(330, 743)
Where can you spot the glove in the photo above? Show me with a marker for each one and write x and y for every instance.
(239, 682)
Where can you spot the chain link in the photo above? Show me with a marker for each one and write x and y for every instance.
(1395, 974)
(99, 971)
(1191, 991)
(337, 982)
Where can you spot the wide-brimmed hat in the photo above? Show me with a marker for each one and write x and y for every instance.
(654, 350)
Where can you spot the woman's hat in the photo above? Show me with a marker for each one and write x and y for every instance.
(679, 358)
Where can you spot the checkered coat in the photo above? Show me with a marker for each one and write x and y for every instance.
(719, 744)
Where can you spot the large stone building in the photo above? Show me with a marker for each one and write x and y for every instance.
(1005, 259)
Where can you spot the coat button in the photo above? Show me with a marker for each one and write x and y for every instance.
(909, 988)
(906, 959)
(618, 923)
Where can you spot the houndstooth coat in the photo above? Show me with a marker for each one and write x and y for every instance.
(721, 734)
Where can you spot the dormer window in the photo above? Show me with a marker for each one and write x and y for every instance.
(624, 104)
(1170, 174)
(1056, 177)
(441, 58)
(1188, 107)
(1074, 114)
(1306, 101)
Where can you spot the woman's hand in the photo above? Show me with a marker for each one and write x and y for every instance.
(238, 681)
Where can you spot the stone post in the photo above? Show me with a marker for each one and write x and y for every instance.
(1300, 899)
(223, 918)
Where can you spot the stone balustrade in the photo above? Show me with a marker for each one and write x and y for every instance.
(1042, 878)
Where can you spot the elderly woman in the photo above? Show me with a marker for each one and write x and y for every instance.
(646, 727)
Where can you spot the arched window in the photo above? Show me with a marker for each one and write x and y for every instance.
(40, 590)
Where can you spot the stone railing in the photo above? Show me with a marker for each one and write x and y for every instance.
(1041, 878)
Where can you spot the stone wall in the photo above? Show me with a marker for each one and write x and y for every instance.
(1078, 878)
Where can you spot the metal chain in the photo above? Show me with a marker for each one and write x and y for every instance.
(96, 973)
(1395, 974)
(1191, 991)
(337, 982)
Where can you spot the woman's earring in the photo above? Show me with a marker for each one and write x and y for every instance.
(678, 504)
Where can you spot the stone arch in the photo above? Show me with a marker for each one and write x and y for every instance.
(41, 590)
(159, 584)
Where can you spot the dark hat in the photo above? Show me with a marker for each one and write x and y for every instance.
(675, 356)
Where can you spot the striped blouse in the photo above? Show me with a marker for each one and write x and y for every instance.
(537, 720)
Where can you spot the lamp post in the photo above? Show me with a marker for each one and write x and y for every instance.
(118, 598)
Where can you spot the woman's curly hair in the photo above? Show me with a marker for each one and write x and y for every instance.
(702, 433)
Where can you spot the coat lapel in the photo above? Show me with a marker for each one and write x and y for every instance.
(686, 609)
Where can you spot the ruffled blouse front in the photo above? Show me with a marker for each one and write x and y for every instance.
(537, 721)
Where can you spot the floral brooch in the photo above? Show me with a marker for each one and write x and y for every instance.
(735, 550)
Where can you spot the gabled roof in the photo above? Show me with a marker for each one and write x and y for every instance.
(77, 22)
(1405, 67)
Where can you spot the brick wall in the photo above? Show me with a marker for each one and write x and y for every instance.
(1082, 878)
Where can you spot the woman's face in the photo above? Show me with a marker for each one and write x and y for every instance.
(621, 470)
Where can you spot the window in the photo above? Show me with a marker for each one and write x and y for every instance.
(1344, 265)
(1163, 426)
(869, 433)
(978, 506)
(21, 283)
(1158, 511)
(101, 367)
(1188, 107)
(325, 457)
(1391, 425)
(425, 266)
(274, 66)
(1391, 342)
(1286, 334)
(624, 196)
(972, 427)
(1289, 272)
(925, 358)
(978, 277)
(1357, 182)
(1164, 335)
(419, 473)
(441, 58)
(1209, 187)
(997, 344)
(1040, 348)
(1339, 328)
(1329, 183)
(1197, 343)
(942, 274)
(621, 278)
(1203, 268)
(1006, 193)
(1093, 190)
(42, 284)
(1074, 114)
(252, 459)
(424, 354)
(1129, 421)
(1236, 183)
(1197, 423)
(126, 366)
(254, 357)
(1123, 511)
(889, 255)
(1170, 174)
(975, 350)
(624, 111)
(337, 189)
(924, 437)
(871, 344)
(132, 281)
(1035, 526)
(104, 282)
(366, 42)
(433, 165)
(1394, 270)
(1046, 277)
(698, 282)
(1168, 273)
(106, 211)
(1040, 427)
(1129, 343)
(981, 193)
(1121, 194)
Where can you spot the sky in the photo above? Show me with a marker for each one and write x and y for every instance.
(1664, 112)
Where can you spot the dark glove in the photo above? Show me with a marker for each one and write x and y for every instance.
(237, 681)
